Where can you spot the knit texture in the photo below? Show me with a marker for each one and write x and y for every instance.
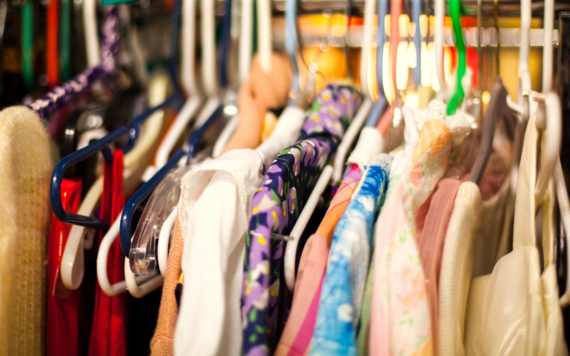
(162, 343)
(25, 170)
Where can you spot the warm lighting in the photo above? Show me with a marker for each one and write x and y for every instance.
(387, 24)
(425, 63)
(485, 97)
(434, 79)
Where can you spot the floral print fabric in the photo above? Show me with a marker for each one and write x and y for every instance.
(400, 319)
(343, 287)
(300, 327)
(277, 205)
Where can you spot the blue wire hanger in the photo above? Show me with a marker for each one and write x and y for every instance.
(102, 144)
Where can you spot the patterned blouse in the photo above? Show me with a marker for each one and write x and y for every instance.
(277, 205)
(345, 278)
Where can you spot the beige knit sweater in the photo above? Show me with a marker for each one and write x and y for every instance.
(26, 166)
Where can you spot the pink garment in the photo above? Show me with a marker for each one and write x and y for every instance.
(301, 323)
(431, 242)
(400, 322)
(300, 326)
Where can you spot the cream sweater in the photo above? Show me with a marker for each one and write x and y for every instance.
(25, 170)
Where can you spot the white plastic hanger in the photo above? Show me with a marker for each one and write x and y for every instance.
(264, 34)
(523, 106)
(548, 114)
(108, 288)
(438, 39)
(188, 111)
(135, 162)
(342, 150)
(245, 40)
(364, 109)
(186, 114)
(164, 241)
(211, 88)
(90, 32)
(302, 221)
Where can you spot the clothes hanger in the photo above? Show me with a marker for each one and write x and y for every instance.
(346, 143)
(416, 13)
(551, 121)
(230, 100)
(135, 160)
(65, 40)
(364, 110)
(457, 98)
(69, 91)
(142, 250)
(438, 39)
(52, 45)
(90, 32)
(381, 103)
(497, 107)
(195, 100)
(245, 40)
(72, 265)
(28, 43)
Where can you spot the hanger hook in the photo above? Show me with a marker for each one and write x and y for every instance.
(498, 49)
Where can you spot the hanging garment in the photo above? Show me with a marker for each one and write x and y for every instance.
(401, 159)
(473, 224)
(26, 165)
(214, 209)
(515, 310)
(431, 241)
(162, 343)
(300, 326)
(108, 332)
(219, 194)
(344, 282)
(400, 318)
(260, 92)
(277, 205)
(63, 304)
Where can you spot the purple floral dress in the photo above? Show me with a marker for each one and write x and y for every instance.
(277, 205)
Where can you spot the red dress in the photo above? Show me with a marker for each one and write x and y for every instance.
(108, 332)
(63, 304)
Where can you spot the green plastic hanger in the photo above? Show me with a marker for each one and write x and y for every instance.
(65, 39)
(27, 38)
(459, 95)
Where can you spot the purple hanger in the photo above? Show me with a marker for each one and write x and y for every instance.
(62, 95)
